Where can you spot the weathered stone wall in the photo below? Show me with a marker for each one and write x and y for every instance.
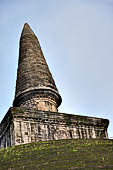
(31, 126)
(7, 131)
(7, 138)
(53, 126)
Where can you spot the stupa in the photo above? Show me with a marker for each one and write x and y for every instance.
(34, 115)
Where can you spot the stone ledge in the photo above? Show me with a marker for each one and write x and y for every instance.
(23, 112)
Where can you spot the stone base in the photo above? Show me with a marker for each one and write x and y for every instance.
(21, 126)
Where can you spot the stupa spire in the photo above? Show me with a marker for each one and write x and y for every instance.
(27, 30)
(35, 86)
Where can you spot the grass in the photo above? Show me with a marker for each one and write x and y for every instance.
(73, 154)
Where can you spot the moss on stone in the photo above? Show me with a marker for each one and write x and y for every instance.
(59, 155)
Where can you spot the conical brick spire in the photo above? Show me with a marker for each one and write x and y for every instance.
(35, 87)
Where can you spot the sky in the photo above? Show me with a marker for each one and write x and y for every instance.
(76, 37)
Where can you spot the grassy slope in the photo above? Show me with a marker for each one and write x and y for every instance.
(59, 155)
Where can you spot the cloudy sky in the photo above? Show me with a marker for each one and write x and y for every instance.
(76, 37)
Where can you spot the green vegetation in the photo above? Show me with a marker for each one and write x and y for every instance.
(72, 154)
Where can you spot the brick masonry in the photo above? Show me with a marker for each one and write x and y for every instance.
(34, 79)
